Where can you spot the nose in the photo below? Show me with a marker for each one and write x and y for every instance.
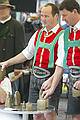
(64, 18)
(43, 18)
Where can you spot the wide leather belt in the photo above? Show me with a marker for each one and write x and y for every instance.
(41, 72)
(74, 73)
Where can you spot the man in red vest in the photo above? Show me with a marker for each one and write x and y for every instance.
(46, 45)
(70, 11)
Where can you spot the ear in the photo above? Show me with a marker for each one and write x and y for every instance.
(75, 11)
(57, 15)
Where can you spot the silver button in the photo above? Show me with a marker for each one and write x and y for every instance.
(4, 49)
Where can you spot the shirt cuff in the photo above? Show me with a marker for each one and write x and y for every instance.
(59, 63)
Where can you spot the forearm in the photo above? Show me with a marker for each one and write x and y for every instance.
(16, 60)
(57, 77)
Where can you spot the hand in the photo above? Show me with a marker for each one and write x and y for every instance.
(2, 95)
(18, 73)
(4, 65)
(47, 84)
(15, 75)
(47, 93)
(77, 85)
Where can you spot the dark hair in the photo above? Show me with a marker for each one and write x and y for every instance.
(55, 9)
(70, 5)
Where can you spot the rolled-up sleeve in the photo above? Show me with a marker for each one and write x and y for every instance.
(28, 52)
(60, 54)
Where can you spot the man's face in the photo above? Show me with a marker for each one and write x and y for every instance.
(4, 11)
(46, 17)
(67, 16)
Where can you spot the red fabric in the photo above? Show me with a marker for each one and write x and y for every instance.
(0, 81)
(46, 53)
(76, 51)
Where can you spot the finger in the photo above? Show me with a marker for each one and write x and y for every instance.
(3, 67)
(43, 93)
(47, 87)
(46, 96)
(75, 84)
(43, 86)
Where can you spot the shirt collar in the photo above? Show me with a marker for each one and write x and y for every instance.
(77, 26)
(54, 30)
(4, 21)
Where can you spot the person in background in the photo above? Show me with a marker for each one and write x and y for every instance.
(46, 45)
(70, 12)
(12, 38)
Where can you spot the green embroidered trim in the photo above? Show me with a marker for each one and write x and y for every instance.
(40, 73)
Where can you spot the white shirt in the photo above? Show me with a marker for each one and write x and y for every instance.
(4, 21)
(28, 52)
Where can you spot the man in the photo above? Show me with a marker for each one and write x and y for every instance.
(12, 37)
(45, 45)
(70, 11)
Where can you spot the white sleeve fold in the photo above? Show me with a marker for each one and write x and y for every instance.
(28, 52)
(60, 54)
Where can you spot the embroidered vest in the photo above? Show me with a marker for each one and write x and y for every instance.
(42, 47)
(72, 48)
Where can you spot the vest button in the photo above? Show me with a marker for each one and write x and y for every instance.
(4, 49)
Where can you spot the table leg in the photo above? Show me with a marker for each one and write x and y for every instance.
(25, 117)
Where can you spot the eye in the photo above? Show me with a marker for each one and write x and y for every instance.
(46, 16)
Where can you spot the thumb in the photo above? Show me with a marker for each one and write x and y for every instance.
(2, 67)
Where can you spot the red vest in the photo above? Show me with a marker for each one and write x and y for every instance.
(74, 53)
(42, 56)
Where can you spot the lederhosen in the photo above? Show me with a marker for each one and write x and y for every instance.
(40, 74)
(74, 75)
